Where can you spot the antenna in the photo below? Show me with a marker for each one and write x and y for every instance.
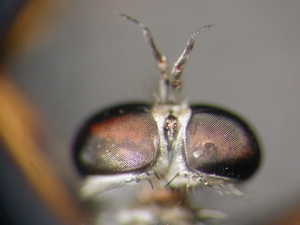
(168, 91)
(179, 64)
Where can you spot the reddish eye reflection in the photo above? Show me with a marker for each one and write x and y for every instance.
(220, 143)
(122, 139)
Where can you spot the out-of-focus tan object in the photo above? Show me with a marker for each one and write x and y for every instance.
(33, 25)
(291, 218)
(19, 133)
(19, 120)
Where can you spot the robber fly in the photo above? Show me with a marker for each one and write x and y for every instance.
(170, 144)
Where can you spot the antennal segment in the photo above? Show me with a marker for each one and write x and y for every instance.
(160, 58)
(179, 65)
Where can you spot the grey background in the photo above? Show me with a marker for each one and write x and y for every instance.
(249, 63)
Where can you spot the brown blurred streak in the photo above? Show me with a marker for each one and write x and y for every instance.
(19, 130)
(33, 25)
(291, 218)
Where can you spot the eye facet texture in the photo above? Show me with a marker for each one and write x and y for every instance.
(220, 143)
(119, 140)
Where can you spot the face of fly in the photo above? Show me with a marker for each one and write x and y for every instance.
(171, 142)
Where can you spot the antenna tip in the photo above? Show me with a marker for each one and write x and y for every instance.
(122, 14)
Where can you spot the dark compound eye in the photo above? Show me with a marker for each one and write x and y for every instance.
(220, 143)
(118, 140)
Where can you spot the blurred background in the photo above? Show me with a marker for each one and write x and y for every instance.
(61, 61)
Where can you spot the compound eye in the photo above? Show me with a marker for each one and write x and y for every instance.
(119, 140)
(221, 144)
